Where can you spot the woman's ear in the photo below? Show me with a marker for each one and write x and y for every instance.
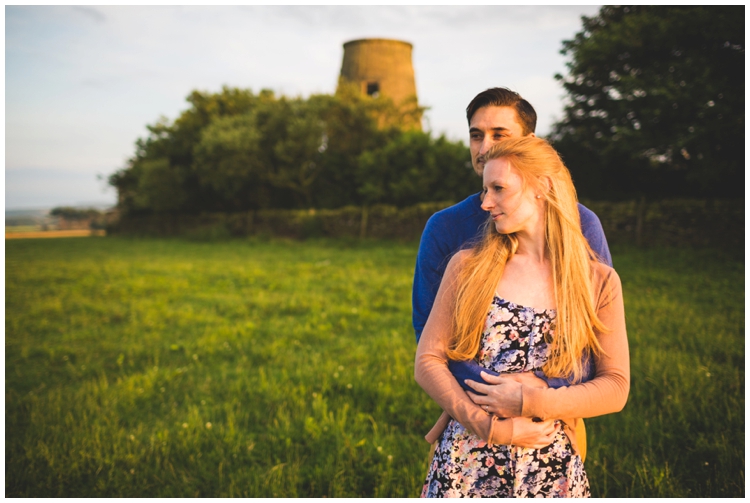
(542, 187)
(546, 185)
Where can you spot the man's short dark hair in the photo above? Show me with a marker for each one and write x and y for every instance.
(502, 97)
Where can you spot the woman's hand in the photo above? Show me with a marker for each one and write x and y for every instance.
(504, 396)
(533, 435)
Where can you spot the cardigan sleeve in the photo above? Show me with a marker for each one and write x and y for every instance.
(431, 367)
(608, 391)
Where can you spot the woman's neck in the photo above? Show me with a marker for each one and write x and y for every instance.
(532, 243)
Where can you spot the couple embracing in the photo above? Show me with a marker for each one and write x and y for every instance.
(519, 319)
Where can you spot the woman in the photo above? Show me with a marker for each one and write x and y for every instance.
(528, 298)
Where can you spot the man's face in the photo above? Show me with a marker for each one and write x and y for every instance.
(488, 126)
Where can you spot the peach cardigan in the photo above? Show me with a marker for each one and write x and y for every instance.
(607, 392)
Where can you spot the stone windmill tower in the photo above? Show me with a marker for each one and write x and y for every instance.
(382, 67)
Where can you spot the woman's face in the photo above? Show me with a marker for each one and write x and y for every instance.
(512, 207)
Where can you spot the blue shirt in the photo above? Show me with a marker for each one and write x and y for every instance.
(458, 227)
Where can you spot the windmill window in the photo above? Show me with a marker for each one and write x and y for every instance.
(373, 89)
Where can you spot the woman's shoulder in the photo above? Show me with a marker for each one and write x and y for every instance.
(602, 270)
(462, 255)
(607, 282)
(456, 262)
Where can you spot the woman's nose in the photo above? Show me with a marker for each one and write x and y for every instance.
(487, 202)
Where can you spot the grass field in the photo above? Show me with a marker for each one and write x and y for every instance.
(273, 368)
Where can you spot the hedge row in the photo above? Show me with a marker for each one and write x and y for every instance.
(382, 222)
(676, 222)
(669, 222)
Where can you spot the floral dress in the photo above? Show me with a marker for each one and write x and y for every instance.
(514, 340)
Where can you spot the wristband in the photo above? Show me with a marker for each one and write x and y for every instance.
(493, 422)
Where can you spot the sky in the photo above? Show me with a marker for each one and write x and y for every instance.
(82, 83)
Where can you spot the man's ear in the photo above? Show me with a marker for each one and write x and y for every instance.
(532, 135)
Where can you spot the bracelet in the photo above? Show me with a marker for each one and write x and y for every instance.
(493, 422)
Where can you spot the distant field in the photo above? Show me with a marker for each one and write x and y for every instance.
(13, 229)
(160, 368)
(33, 233)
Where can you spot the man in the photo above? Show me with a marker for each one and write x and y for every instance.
(493, 115)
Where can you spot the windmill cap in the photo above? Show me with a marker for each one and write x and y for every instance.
(386, 40)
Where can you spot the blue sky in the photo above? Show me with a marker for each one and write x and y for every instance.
(81, 83)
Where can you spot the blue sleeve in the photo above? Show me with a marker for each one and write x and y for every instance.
(594, 234)
(471, 370)
(432, 259)
(468, 370)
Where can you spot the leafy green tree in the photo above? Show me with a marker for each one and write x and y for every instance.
(227, 163)
(95, 219)
(353, 124)
(290, 142)
(161, 186)
(72, 213)
(656, 102)
(414, 168)
(185, 133)
(235, 151)
(271, 156)
(180, 189)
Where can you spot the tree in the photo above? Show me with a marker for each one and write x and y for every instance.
(292, 139)
(353, 124)
(656, 102)
(414, 168)
(72, 213)
(236, 151)
(286, 153)
(228, 164)
(71, 217)
(159, 177)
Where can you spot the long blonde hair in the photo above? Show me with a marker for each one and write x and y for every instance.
(570, 254)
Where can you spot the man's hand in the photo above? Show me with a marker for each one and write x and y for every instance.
(533, 435)
(503, 395)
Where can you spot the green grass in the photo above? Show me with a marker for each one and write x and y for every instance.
(119, 353)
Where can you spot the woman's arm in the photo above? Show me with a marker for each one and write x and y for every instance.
(608, 391)
(604, 394)
(431, 366)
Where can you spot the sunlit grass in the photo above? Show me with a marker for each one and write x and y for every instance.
(251, 368)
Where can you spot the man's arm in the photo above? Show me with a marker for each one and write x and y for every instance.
(432, 258)
(469, 369)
